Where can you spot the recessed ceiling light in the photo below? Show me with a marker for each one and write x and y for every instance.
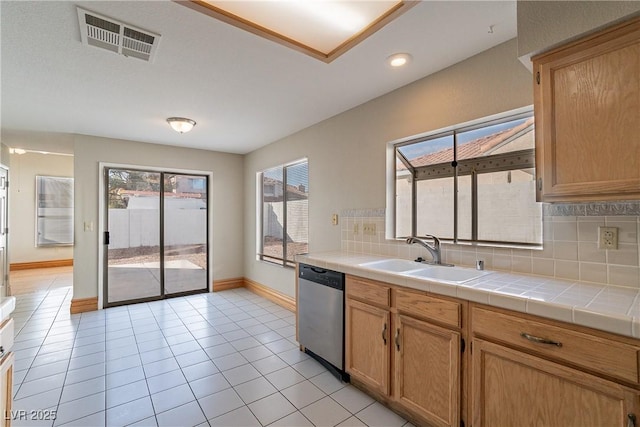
(399, 59)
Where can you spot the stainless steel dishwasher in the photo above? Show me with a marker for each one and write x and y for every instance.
(321, 316)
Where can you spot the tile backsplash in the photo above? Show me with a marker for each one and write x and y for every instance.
(570, 244)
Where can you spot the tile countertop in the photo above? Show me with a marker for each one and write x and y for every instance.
(608, 308)
(7, 306)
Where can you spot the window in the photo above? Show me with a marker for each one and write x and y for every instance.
(284, 219)
(470, 184)
(54, 211)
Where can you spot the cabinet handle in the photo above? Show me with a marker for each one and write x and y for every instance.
(384, 334)
(539, 184)
(539, 340)
(398, 339)
(631, 420)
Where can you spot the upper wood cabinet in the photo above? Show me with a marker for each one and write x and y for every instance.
(587, 117)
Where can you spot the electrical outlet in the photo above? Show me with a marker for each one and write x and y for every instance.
(356, 229)
(607, 237)
(369, 229)
(334, 219)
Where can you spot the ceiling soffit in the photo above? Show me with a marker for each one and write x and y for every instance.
(304, 25)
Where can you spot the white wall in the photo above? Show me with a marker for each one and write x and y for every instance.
(22, 200)
(226, 192)
(546, 24)
(297, 221)
(185, 227)
(347, 152)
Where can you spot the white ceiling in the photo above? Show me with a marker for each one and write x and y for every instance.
(243, 91)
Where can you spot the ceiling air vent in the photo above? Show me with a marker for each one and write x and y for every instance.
(110, 34)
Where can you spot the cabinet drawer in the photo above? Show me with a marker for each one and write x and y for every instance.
(6, 335)
(436, 309)
(367, 290)
(606, 356)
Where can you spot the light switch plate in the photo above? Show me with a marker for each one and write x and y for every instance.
(369, 229)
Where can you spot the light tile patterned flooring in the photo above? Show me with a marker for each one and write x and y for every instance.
(220, 359)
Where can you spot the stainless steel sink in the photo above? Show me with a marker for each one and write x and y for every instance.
(393, 265)
(455, 275)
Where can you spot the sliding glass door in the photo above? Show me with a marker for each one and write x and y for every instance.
(185, 233)
(132, 242)
(156, 239)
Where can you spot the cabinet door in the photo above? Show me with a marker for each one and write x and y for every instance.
(366, 344)
(511, 388)
(428, 370)
(587, 108)
(6, 389)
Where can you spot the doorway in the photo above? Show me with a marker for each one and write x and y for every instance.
(4, 215)
(156, 235)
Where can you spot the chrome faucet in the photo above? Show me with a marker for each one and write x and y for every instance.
(433, 250)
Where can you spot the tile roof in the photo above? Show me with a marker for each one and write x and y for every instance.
(475, 148)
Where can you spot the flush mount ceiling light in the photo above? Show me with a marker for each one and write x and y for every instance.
(399, 59)
(181, 124)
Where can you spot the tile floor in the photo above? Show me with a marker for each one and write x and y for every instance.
(219, 359)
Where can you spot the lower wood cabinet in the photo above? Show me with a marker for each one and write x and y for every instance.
(427, 370)
(413, 363)
(6, 372)
(366, 345)
(512, 388)
(529, 371)
(407, 348)
(6, 389)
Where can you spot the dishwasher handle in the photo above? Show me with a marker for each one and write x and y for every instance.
(333, 279)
